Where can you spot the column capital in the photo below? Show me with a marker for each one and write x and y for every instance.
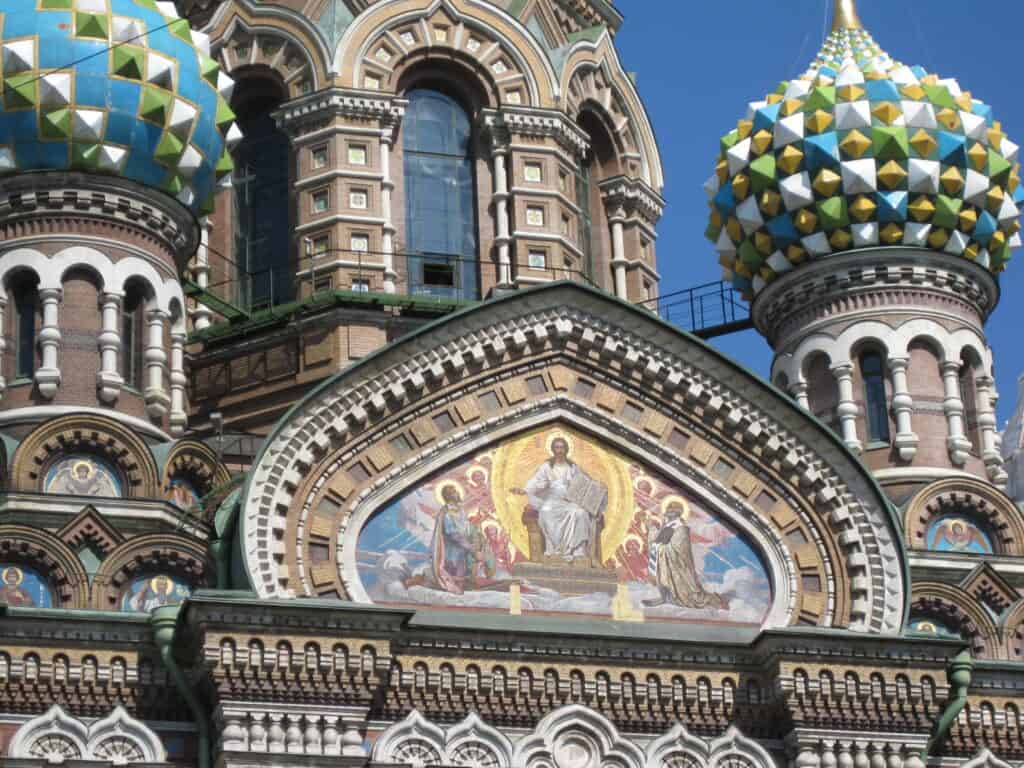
(949, 367)
(842, 370)
(897, 362)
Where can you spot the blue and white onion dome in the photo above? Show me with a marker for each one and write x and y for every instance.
(119, 87)
(858, 152)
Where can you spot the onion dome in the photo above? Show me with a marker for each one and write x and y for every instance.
(862, 151)
(120, 87)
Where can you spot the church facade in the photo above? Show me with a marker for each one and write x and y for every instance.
(338, 429)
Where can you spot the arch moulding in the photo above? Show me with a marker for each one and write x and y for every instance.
(660, 396)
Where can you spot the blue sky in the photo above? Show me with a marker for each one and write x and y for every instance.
(698, 64)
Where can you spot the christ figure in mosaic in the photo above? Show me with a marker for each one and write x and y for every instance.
(569, 503)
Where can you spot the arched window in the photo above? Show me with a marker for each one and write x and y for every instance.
(132, 325)
(599, 164)
(440, 196)
(262, 203)
(26, 311)
(969, 397)
(876, 409)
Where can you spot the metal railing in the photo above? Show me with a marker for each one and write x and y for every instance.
(707, 311)
(440, 278)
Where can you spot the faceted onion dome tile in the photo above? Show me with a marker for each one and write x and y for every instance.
(859, 151)
(144, 101)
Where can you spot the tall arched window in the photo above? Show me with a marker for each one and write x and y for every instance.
(969, 397)
(599, 164)
(262, 211)
(26, 311)
(876, 409)
(440, 196)
(132, 325)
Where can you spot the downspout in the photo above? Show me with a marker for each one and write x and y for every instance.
(220, 548)
(164, 621)
(958, 674)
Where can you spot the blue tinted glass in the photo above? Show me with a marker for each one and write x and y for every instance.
(440, 206)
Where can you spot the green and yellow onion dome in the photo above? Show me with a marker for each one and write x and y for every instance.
(862, 151)
(119, 87)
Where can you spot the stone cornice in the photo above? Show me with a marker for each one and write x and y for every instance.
(536, 123)
(632, 195)
(55, 196)
(340, 102)
(872, 270)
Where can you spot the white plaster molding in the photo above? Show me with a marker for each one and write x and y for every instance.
(537, 123)
(985, 759)
(118, 738)
(112, 275)
(471, 743)
(576, 736)
(46, 412)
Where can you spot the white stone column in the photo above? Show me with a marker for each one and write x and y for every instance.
(108, 378)
(201, 315)
(386, 187)
(3, 343)
(619, 253)
(847, 408)
(990, 448)
(798, 392)
(957, 443)
(155, 360)
(501, 198)
(48, 373)
(906, 439)
(179, 417)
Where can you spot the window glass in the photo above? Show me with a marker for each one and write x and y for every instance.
(261, 210)
(25, 355)
(877, 410)
(440, 208)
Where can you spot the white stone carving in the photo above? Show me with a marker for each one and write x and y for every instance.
(985, 759)
(117, 738)
(576, 737)
(680, 749)
(469, 744)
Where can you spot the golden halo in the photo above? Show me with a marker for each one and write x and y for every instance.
(83, 463)
(439, 490)
(668, 500)
(155, 580)
(926, 626)
(633, 537)
(558, 436)
(17, 571)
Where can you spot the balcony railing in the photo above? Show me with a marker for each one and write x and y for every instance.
(426, 278)
(707, 311)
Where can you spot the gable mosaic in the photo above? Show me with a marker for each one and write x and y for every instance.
(555, 522)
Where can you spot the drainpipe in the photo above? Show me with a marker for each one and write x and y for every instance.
(164, 621)
(958, 674)
(220, 548)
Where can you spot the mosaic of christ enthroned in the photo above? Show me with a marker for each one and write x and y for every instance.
(552, 522)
